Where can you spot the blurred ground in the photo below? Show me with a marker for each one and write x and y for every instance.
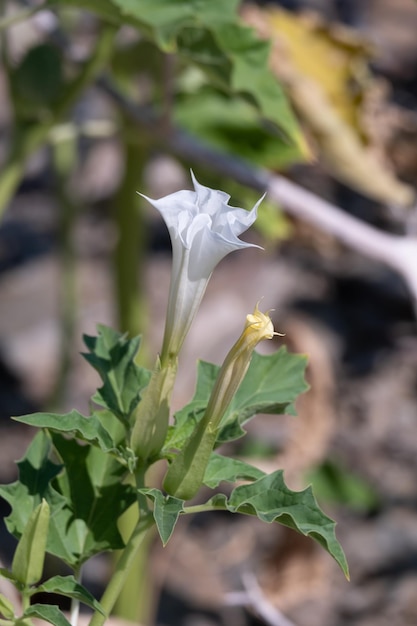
(355, 321)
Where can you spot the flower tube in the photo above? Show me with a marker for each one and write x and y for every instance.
(203, 230)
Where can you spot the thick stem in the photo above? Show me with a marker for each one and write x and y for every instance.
(122, 569)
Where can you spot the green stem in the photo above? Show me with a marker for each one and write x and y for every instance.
(129, 264)
(122, 569)
(32, 138)
(202, 508)
(64, 158)
(131, 244)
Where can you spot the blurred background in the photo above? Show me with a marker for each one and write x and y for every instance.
(92, 111)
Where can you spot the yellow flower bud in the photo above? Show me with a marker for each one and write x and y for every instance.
(258, 326)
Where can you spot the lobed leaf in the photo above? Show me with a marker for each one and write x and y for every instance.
(112, 355)
(166, 512)
(271, 385)
(86, 498)
(96, 496)
(272, 501)
(36, 473)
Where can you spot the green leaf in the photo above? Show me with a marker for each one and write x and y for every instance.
(36, 472)
(271, 385)
(48, 612)
(6, 607)
(209, 33)
(27, 566)
(38, 80)
(96, 496)
(232, 125)
(222, 468)
(69, 587)
(166, 512)
(86, 498)
(86, 428)
(168, 17)
(238, 61)
(112, 355)
(272, 501)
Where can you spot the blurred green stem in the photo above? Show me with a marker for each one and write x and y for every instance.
(122, 570)
(134, 602)
(64, 150)
(28, 140)
(130, 252)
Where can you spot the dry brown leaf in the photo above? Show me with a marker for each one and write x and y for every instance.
(327, 78)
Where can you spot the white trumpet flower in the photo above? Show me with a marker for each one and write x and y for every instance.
(203, 230)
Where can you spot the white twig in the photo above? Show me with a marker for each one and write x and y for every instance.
(254, 598)
(75, 604)
(398, 252)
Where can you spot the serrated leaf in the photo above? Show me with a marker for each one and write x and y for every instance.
(29, 556)
(86, 498)
(69, 587)
(48, 612)
(6, 607)
(112, 355)
(36, 472)
(166, 512)
(96, 496)
(86, 428)
(222, 468)
(272, 501)
(271, 385)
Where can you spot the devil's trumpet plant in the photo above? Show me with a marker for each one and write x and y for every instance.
(186, 472)
(203, 229)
